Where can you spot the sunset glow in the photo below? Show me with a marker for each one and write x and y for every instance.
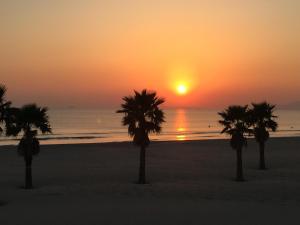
(92, 54)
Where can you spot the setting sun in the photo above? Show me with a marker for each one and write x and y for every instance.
(181, 89)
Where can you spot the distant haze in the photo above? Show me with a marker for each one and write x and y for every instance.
(91, 53)
(293, 105)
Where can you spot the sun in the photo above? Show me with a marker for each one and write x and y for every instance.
(181, 89)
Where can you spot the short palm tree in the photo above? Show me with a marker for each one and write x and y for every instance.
(235, 122)
(30, 119)
(142, 116)
(262, 120)
(4, 108)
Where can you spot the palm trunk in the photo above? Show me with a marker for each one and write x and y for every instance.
(239, 165)
(28, 175)
(262, 164)
(142, 171)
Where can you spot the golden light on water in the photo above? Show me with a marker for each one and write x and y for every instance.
(180, 137)
(181, 129)
(180, 125)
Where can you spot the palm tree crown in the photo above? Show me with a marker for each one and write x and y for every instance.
(142, 115)
(4, 107)
(235, 122)
(29, 120)
(262, 120)
(31, 117)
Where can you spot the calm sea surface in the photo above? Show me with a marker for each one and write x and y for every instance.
(95, 126)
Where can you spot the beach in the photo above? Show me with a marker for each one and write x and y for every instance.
(190, 182)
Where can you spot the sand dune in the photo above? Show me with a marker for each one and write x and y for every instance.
(190, 183)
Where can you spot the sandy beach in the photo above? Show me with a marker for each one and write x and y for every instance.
(191, 182)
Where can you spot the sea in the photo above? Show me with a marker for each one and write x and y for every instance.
(71, 126)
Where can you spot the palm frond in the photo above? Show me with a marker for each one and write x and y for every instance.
(236, 124)
(4, 110)
(31, 117)
(2, 92)
(262, 119)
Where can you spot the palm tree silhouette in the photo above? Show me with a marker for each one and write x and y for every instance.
(4, 108)
(30, 119)
(235, 122)
(142, 116)
(262, 120)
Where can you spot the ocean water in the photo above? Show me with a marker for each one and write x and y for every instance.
(96, 126)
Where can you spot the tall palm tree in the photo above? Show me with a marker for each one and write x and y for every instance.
(262, 120)
(235, 122)
(142, 116)
(4, 108)
(29, 119)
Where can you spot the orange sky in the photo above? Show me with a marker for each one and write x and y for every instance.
(91, 53)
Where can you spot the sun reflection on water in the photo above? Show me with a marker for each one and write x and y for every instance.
(181, 129)
(180, 125)
(180, 137)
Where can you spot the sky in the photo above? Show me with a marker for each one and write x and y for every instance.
(91, 53)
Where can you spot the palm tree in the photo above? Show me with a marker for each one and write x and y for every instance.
(142, 116)
(29, 119)
(235, 122)
(262, 120)
(4, 108)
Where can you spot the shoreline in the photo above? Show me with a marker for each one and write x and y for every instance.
(155, 141)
